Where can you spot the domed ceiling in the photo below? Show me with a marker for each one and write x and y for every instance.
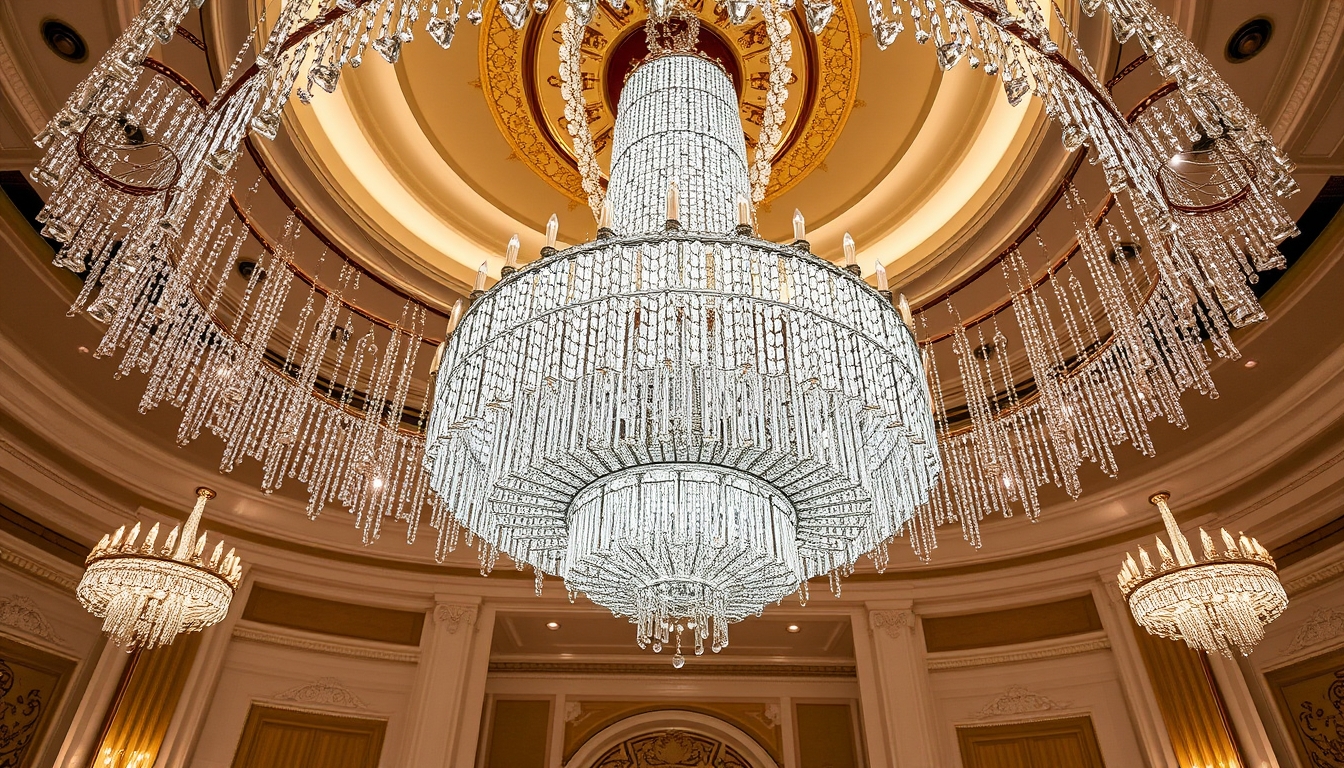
(445, 154)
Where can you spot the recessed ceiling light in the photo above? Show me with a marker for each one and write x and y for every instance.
(552, 625)
(1250, 363)
(793, 628)
(83, 350)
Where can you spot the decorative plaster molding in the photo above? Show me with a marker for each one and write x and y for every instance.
(21, 613)
(1053, 651)
(769, 715)
(39, 570)
(1017, 701)
(574, 713)
(892, 622)
(1316, 577)
(1325, 624)
(355, 648)
(325, 691)
(451, 616)
(1308, 78)
(17, 88)
(707, 670)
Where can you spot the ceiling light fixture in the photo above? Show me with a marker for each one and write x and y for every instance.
(680, 419)
(1250, 363)
(552, 625)
(1219, 604)
(793, 628)
(147, 594)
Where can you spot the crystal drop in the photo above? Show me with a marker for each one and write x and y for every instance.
(356, 60)
(440, 31)
(921, 35)
(220, 161)
(818, 14)
(949, 54)
(389, 47)
(583, 10)
(617, 4)
(541, 6)
(678, 661)
(1015, 89)
(266, 124)
(347, 5)
(325, 77)
(884, 34)
(475, 16)
(1090, 6)
(305, 96)
(658, 9)
(1073, 137)
(515, 12)
(738, 10)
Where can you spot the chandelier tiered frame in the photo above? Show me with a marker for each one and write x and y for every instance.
(1111, 343)
(1218, 604)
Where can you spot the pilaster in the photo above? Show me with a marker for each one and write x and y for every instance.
(440, 701)
(901, 674)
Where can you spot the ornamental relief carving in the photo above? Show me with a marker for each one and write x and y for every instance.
(21, 613)
(672, 749)
(1325, 625)
(1017, 700)
(453, 617)
(892, 622)
(325, 691)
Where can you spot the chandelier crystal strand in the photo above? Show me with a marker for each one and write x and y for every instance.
(683, 424)
(148, 593)
(1219, 603)
(141, 173)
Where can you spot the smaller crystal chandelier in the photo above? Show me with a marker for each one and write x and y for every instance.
(148, 594)
(1217, 604)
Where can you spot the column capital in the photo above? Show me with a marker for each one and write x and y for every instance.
(893, 622)
(452, 616)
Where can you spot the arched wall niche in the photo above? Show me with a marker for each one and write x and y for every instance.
(671, 738)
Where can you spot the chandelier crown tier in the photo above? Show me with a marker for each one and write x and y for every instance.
(677, 121)
(148, 593)
(1218, 604)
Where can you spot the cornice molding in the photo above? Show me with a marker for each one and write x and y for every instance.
(324, 691)
(34, 568)
(1049, 649)
(20, 613)
(1314, 578)
(1016, 701)
(1306, 79)
(15, 85)
(661, 669)
(305, 641)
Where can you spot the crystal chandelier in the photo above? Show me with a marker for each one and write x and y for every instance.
(147, 594)
(769, 411)
(682, 421)
(1220, 603)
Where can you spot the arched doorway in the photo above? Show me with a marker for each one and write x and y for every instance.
(671, 739)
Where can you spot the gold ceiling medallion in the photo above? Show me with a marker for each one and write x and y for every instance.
(520, 77)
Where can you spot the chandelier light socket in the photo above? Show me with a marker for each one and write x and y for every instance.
(672, 225)
(802, 245)
(743, 230)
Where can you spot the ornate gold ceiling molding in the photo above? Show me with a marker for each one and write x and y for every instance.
(521, 87)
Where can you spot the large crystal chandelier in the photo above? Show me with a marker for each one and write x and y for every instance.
(148, 593)
(1220, 603)
(681, 420)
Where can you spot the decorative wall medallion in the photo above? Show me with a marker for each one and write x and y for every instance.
(326, 691)
(21, 613)
(892, 622)
(769, 715)
(522, 84)
(452, 617)
(1325, 624)
(671, 749)
(1017, 701)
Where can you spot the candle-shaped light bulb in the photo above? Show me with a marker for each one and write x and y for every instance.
(673, 201)
(743, 211)
(851, 253)
(799, 226)
(510, 255)
(907, 316)
(881, 271)
(552, 230)
(480, 278)
(604, 219)
(455, 317)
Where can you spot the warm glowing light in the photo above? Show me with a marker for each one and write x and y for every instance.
(793, 628)
(377, 482)
(1250, 363)
(552, 625)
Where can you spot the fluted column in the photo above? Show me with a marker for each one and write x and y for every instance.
(445, 710)
(896, 662)
(85, 730)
